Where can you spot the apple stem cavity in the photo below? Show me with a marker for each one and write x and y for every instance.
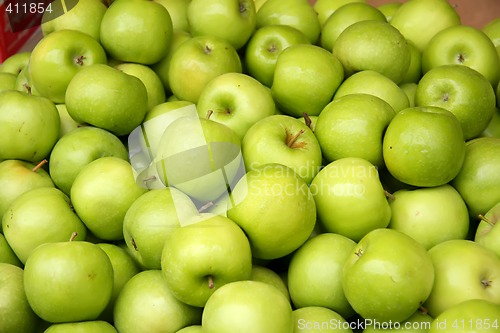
(291, 140)
(210, 282)
(73, 236)
(485, 219)
(39, 165)
(486, 283)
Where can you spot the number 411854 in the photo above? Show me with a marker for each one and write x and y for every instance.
(28, 8)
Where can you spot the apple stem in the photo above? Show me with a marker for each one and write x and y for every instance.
(210, 282)
(73, 236)
(486, 283)
(423, 310)
(485, 219)
(28, 88)
(307, 120)
(39, 165)
(389, 195)
(148, 179)
(79, 60)
(209, 113)
(205, 206)
(291, 140)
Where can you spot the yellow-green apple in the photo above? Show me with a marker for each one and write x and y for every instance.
(325, 8)
(151, 219)
(419, 322)
(388, 9)
(487, 233)
(410, 90)
(197, 61)
(430, 215)
(414, 72)
(264, 47)
(463, 45)
(475, 315)
(464, 270)
(231, 20)
(17, 177)
(7, 81)
(191, 329)
(207, 252)
(68, 281)
(77, 149)
(29, 126)
(275, 208)
(387, 276)
(8, 256)
(343, 17)
(258, 307)
(152, 83)
(148, 297)
(117, 102)
(461, 90)
(236, 100)
(354, 126)
(285, 140)
(41, 215)
(91, 326)
(16, 314)
(295, 13)
(58, 57)
(136, 31)
(84, 16)
(101, 194)
(493, 128)
(373, 83)
(267, 275)
(478, 179)
(178, 13)
(15, 63)
(301, 85)
(350, 199)
(420, 20)
(424, 146)
(319, 319)
(373, 45)
(492, 30)
(315, 273)
(67, 123)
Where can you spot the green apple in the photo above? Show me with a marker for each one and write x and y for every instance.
(478, 179)
(178, 13)
(463, 45)
(275, 208)
(285, 140)
(325, 8)
(420, 20)
(430, 215)
(101, 194)
(295, 13)
(151, 219)
(350, 199)
(492, 30)
(41, 215)
(487, 232)
(381, 275)
(315, 273)
(231, 20)
(354, 126)
(373, 45)
(68, 281)
(267, 275)
(197, 61)
(67, 123)
(84, 16)
(15, 63)
(250, 306)
(345, 16)
(77, 149)
(389, 9)
(414, 73)
(8, 256)
(199, 156)
(191, 329)
(410, 90)
(58, 57)
(461, 90)
(319, 319)
(29, 126)
(294, 91)
(464, 270)
(493, 128)
(18, 177)
(136, 31)
(424, 146)
(265, 46)
(373, 83)
(419, 322)
(124, 268)
(475, 315)
(236, 100)
(16, 314)
(152, 83)
(92, 326)
(200, 257)
(7, 81)
(117, 102)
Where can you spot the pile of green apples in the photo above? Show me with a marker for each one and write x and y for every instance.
(267, 166)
